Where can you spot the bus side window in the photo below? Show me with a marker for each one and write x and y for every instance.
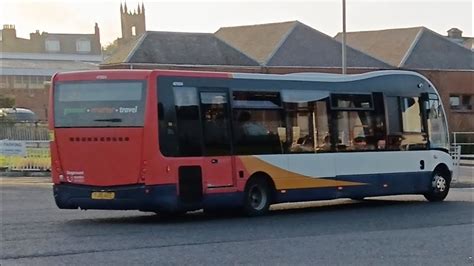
(394, 136)
(307, 121)
(414, 137)
(256, 119)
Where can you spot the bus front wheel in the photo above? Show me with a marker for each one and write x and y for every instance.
(257, 197)
(440, 184)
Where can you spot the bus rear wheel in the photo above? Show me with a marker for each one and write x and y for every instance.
(440, 184)
(257, 197)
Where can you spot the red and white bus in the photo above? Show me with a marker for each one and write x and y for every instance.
(174, 141)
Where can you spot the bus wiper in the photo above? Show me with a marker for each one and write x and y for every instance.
(115, 120)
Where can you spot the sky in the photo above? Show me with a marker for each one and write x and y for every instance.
(79, 16)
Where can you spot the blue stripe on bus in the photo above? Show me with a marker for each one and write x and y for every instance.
(165, 198)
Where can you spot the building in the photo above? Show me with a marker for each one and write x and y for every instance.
(455, 35)
(28, 64)
(447, 63)
(132, 22)
(285, 47)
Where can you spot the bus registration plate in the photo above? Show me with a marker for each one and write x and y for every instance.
(102, 195)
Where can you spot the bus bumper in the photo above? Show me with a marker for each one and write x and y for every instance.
(133, 197)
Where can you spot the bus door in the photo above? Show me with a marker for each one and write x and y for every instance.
(216, 125)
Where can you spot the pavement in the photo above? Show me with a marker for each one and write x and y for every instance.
(465, 178)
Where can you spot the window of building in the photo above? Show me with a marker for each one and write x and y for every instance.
(83, 45)
(461, 102)
(467, 102)
(52, 45)
(257, 122)
(22, 80)
(454, 101)
(3, 81)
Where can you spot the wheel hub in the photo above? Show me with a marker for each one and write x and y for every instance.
(257, 198)
(439, 183)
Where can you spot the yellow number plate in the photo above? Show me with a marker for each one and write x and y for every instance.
(102, 195)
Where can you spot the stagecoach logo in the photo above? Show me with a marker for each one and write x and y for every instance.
(75, 176)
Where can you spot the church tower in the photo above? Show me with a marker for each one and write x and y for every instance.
(133, 22)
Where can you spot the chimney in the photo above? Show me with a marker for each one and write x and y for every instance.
(8, 32)
(455, 33)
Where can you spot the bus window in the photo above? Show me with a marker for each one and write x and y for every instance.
(100, 104)
(257, 117)
(355, 130)
(437, 130)
(307, 122)
(413, 131)
(187, 113)
(358, 124)
(216, 124)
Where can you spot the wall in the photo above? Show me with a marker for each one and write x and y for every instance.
(454, 82)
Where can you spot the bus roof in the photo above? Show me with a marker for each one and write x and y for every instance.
(302, 76)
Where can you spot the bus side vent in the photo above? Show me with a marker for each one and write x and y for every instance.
(190, 184)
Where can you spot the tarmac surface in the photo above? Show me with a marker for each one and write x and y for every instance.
(385, 230)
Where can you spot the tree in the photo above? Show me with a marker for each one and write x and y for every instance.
(110, 48)
(7, 101)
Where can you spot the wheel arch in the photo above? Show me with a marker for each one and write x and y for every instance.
(443, 169)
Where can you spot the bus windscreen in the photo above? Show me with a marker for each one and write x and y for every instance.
(99, 104)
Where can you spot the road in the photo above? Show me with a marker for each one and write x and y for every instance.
(390, 231)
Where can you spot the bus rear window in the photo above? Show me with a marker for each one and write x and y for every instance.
(99, 104)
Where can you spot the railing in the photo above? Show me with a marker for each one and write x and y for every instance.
(34, 157)
(24, 147)
(455, 152)
(465, 140)
(23, 131)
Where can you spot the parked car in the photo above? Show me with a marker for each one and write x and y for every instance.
(18, 115)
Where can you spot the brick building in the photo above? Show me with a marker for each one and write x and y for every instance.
(447, 63)
(28, 64)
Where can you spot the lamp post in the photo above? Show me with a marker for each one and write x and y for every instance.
(344, 64)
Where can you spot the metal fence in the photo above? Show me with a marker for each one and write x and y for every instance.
(466, 141)
(36, 157)
(31, 147)
(23, 131)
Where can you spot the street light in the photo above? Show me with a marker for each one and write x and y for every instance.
(344, 65)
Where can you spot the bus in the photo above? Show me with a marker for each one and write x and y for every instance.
(175, 141)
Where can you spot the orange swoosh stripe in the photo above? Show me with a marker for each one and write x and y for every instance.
(284, 179)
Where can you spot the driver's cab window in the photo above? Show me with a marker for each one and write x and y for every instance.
(414, 137)
(436, 123)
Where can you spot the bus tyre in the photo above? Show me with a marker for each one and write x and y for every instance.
(257, 197)
(440, 184)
